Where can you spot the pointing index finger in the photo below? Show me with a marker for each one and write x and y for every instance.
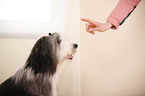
(87, 20)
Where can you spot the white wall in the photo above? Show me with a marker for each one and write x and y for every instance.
(70, 80)
(14, 52)
(112, 63)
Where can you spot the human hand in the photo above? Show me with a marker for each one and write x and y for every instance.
(92, 26)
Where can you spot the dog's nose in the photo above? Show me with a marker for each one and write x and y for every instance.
(75, 45)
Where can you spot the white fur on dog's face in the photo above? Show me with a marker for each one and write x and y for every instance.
(66, 50)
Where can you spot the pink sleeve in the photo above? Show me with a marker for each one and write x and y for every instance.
(123, 9)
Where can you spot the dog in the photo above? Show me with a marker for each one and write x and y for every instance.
(40, 73)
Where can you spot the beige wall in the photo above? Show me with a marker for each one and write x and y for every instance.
(112, 63)
(13, 54)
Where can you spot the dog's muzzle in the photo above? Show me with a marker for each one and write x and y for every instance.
(75, 46)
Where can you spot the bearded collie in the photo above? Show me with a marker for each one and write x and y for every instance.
(40, 73)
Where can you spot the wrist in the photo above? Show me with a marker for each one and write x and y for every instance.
(109, 25)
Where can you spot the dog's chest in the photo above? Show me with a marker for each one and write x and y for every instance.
(37, 88)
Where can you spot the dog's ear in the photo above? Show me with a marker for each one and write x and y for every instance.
(43, 57)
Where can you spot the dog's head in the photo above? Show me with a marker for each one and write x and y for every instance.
(48, 52)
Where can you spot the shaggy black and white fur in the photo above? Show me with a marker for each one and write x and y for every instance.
(39, 75)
